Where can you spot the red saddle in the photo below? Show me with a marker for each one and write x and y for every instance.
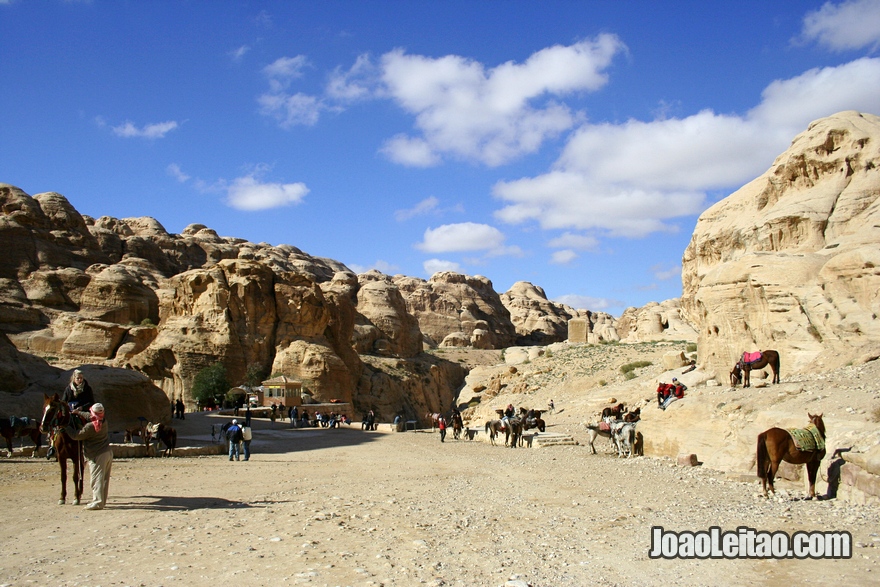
(752, 357)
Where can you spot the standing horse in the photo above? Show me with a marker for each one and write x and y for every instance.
(602, 428)
(777, 444)
(768, 357)
(457, 425)
(532, 419)
(434, 417)
(16, 427)
(514, 432)
(493, 428)
(56, 416)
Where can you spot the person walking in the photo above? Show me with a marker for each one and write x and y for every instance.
(96, 448)
(234, 436)
(441, 424)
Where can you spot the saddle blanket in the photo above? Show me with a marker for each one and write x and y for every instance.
(807, 439)
(604, 426)
(752, 357)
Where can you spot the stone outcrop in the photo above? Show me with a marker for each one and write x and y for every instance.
(461, 305)
(655, 322)
(537, 320)
(146, 310)
(791, 260)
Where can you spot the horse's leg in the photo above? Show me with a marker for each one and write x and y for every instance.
(592, 439)
(62, 462)
(812, 470)
(78, 473)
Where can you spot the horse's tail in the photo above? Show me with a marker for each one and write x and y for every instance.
(487, 427)
(762, 457)
(778, 369)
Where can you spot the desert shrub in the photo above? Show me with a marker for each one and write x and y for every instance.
(631, 367)
(602, 383)
(147, 322)
(691, 347)
(876, 414)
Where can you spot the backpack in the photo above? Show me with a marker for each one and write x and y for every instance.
(246, 433)
(233, 434)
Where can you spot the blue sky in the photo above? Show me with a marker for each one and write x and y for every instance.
(569, 144)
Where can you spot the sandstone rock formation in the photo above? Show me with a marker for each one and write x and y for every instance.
(463, 306)
(654, 322)
(791, 260)
(537, 320)
(146, 310)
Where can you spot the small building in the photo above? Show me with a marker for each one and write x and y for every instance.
(280, 390)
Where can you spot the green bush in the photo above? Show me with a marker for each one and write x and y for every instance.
(147, 322)
(630, 367)
(691, 347)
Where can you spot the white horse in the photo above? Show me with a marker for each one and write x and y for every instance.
(624, 434)
(603, 428)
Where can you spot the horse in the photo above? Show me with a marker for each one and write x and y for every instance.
(457, 425)
(140, 431)
(768, 357)
(434, 417)
(603, 428)
(615, 412)
(514, 432)
(56, 416)
(15, 427)
(532, 419)
(493, 428)
(625, 437)
(164, 434)
(634, 416)
(777, 444)
(736, 375)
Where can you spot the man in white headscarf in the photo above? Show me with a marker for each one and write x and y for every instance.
(96, 448)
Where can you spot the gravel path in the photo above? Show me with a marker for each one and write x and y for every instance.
(345, 507)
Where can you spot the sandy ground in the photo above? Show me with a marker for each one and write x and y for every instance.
(346, 507)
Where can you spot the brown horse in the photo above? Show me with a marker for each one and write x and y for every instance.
(457, 425)
(768, 357)
(16, 427)
(777, 444)
(493, 428)
(56, 416)
(532, 419)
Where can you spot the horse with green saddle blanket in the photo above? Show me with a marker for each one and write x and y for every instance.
(798, 446)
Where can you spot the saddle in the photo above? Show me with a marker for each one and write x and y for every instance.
(20, 423)
(807, 439)
(749, 358)
(604, 426)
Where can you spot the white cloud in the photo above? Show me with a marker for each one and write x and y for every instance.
(380, 265)
(426, 206)
(578, 242)
(284, 69)
(156, 130)
(630, 179)
(175, 172)
(239, 53)
(664, 274)
(359, 82)
(410, 152)
(840, 27)
(465, 236)
(290, 110)
(432, 266)
(490, 116)
(248, 193)
(563, 257)
(579, 302)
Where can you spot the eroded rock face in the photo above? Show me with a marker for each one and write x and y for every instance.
(537, 320)
(655, 322)
(791, 260)
(454, 303)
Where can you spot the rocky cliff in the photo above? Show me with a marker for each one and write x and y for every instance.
(126, 295)
(791, 260)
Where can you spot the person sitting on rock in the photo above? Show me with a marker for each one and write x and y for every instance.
(678, 389)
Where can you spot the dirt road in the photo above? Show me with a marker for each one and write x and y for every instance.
(346, 507)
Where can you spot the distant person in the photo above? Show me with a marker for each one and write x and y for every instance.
(247, 416)
(96, 448)
(551, 406)
(234, 436)
(181, 408)
(441, 424)
(246, 437)
(78, 393)
(691, 366)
